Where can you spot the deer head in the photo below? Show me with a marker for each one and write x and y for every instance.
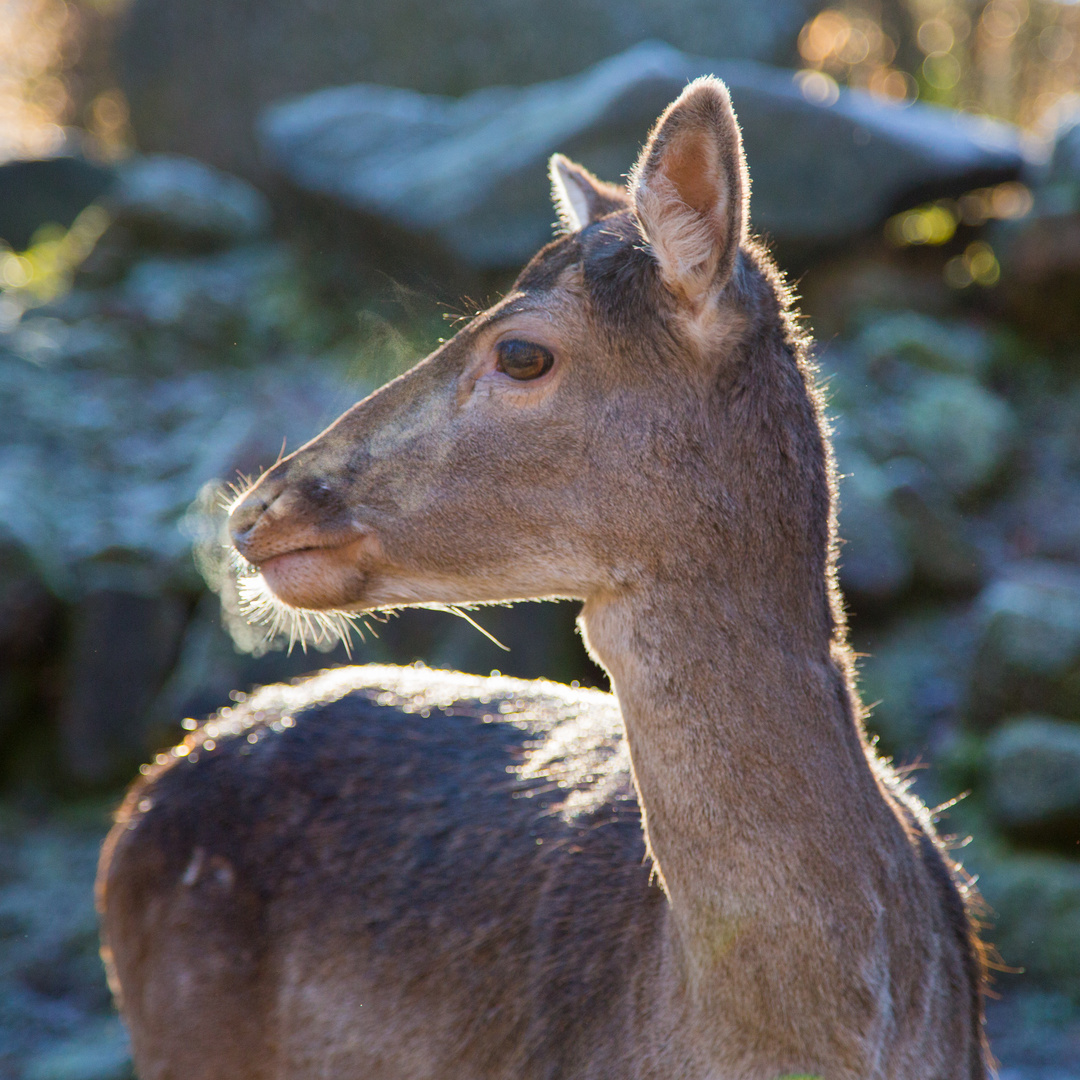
(540, 452)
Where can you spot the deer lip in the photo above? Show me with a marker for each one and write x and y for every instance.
(326, 545)
(321, 576)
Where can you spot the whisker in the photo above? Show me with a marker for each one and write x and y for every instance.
(454, 610)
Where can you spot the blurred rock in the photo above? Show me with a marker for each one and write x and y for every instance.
(197, 74)
(874, 566)
(1040, 254)
(57, 1020)
(99, 1052)
(124, 644)
(1028, 655)
(912, 675)
(1042, 512)
(962, 431)
(951, 347)
(1035, 1032)
(204, 296)
(106, 447)
(175, 202)
(1034, 778)
(472, 171)
(936, 538)
(1035, 901)
(898, 529)
(46, 191)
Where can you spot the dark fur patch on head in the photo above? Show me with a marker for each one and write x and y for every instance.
(543, 270)
(622, 276)
(619, 272)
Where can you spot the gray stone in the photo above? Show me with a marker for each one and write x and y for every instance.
(1065, 161)
(123, 645)
(196, 74)
(175, 201)
(1028, 655)
(200, 295)
(960, 430)
(471, 171)
(951, 347)
(911, 675)
(57, 1020)
(99, 1052)
(105, 463)
(49, 191)
(874, 565)
(1042, 511)
(1035, 900)
(1034, 778)
(1040, 253)
(936, 537)
(1058, 187)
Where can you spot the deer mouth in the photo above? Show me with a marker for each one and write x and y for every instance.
(321, 576)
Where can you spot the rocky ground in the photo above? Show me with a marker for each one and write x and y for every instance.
(194, 338)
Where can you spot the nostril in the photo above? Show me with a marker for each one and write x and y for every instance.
(246, 515)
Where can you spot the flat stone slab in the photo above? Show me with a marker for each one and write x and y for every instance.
(197, 73)
(471, 171)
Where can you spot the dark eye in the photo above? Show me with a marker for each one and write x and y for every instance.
(523, 359)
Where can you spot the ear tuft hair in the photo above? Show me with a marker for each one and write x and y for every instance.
(579, 197)
(689, 190)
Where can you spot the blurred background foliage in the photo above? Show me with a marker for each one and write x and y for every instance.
(189, 274)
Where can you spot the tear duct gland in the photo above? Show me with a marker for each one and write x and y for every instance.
(420, 874)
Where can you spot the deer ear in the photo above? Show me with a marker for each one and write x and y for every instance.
(689, 191)
(578, 196)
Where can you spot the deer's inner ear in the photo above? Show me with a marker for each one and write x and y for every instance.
(689, 190)
(579, 197)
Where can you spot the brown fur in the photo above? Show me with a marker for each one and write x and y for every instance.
(400, 874)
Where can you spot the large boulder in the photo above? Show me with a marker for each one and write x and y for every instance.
(959, 429)
(112, 422)
(911, 676)
(173, 201)
(46, 191)
(197, 73)
(1035, 900)
(1042, 512)
(874, 565)
(470, 172)
(1028, 654)
(1040, 253)
(1034, 778)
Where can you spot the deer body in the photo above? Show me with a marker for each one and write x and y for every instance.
(402, 874)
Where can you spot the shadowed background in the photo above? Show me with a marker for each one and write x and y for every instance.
(222, 223)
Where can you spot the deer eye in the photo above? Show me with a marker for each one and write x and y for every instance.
(523, 359)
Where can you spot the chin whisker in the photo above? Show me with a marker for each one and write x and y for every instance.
(453, 609)
(286, 626)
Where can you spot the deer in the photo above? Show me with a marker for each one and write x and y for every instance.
(397, 873)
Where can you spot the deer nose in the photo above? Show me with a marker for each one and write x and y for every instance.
(246, 515)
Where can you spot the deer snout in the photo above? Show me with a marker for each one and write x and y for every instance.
(248, 515)
(292, 511)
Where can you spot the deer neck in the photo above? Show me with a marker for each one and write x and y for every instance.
(743, 744)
